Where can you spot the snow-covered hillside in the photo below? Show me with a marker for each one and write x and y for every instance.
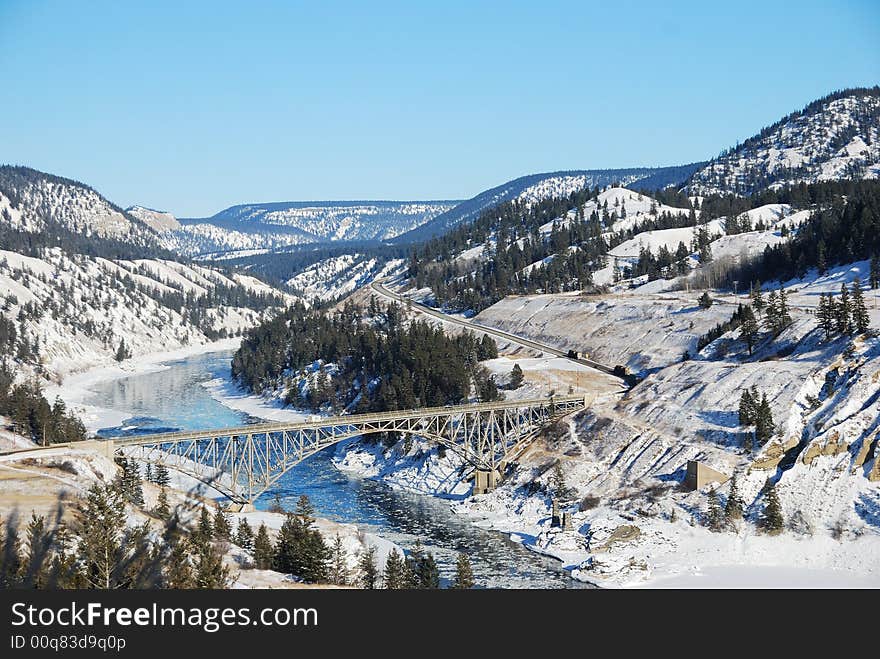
(72, 312)
(33, 201)
(331, 220)
(340, 275)
(536, 187)
(832, 138)
(210, 242)
(159, 221)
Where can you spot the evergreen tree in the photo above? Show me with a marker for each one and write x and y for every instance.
(178, 572)
(783, 312)
(874, 277)
(516, 377)
(757, 295)
(122, 352)
(714, 515)
(772, 311)
(35, 571)
(826, 315)
(764, 425)
(464, 575)
(487, 349)
(289, 545)
(747, 408)
(148, 473)
(429, 574)
(222, 529)
(205, 530)
(705, 300)
(860, 318)
(263, 551)
(771, 520)
(748, 329)
(244, 535)
(395, 571)
(368, 569)
(100, 523)
(338, 572)
(733, 509)
(559, 487)
(210, 572)
(162, 509)
(844, 312)
(161, 476)
(11, 562)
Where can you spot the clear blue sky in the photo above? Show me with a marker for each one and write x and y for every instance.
(194, 106)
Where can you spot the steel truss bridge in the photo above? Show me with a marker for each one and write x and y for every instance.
(244, 462)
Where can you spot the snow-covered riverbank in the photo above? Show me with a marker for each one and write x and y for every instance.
(75, 389)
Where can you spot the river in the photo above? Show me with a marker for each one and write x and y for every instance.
(174, 398)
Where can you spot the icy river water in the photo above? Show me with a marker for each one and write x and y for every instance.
(174, 398)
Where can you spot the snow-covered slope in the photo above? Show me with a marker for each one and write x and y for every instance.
(834, 137)
(72, 312)
(340, 275)
(210, 242)
(34, 201)
(159, 221)
(328, 221)
(535, 187)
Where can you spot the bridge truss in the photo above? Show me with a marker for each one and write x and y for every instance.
(244, 462)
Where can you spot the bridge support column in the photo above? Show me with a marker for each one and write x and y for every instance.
(485, 481)
(105, 447)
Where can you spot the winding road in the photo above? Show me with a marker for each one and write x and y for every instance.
(379, 288)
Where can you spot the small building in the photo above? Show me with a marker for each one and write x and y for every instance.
(699, 475)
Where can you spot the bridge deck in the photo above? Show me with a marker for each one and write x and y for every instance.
(342, 421)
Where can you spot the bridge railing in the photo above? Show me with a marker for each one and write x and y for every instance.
(345, 420)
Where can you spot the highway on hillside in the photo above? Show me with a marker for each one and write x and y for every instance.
(501, 334)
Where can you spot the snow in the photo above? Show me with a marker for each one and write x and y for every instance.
(75, 388)
(668, 238)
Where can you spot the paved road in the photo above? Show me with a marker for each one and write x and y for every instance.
(501, 334)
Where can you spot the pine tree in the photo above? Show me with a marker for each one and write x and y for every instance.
(772, 311)
(747, 408)
(162, 509)
(428, 573)
(205, 530)
(288, 546)
(263, 551)
(764, 425)
(394, 575)
(161, 476)
(733, 509)
(714, 515)
(244, 535)
(844, 312)
(783, 311)
(148, 473)
(35, 571)
(222, 529)
(516, 377)
(178, 572)
(825, 314)
(860, 318)
(757, 295)
(705, 301)
(368, 569)
(11, 562)
(338, 572)
(100, 523)
(210, 572)
(874, 277)
(748, 329)
(771, 520)
(560, 488)
(821, 262)
(122, 352)
(464, 575)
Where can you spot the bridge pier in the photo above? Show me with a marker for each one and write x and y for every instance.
(106, 447)
(485, 481)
